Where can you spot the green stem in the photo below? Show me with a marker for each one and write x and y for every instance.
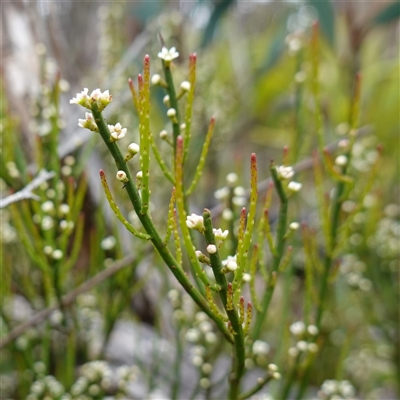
(173, 102)
(148, 225)
(239, 349)
(279, 249)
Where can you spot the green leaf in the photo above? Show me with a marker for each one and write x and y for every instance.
(388, 14)
(326, 17)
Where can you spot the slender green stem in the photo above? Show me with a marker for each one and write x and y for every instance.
(173, 102)
(239, 349)
(149, 227)
(203, 156)
(279, 250)
(257, 387)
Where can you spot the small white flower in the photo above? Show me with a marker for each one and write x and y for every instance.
(230, 263)
(341, 160)
(195, 221)
(211, 249)
(210, 337)
(227, 214)
(168, 55)
(133, 149)
(156, 79)
(108, 243)
(205, 326)
(207, 368)
(166, 99)
(64, 209)
(231, 178)
(82, 99)
(239, 191)
(192, 335)
(302, 345)
(285, 172)
(294, 226)
(182, 127)
(297, 328)
(219, 235)
(87, 123)
(185, 86)
(171, 113)
(163, 134)
(47, 250)
(276, 375)
(272, 368)
(312, 347)
(293, 352)
(246, 277)
(204, 383)
(101, 99)
(47, 223)
(197, 361)
(57, 254)
(66, 170)
(117, 132)
(312, 330)
(121, 176)
(260, 348)
(294, 186)
(221, 193)
(47, 206)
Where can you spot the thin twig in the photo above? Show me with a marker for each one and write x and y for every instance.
(67, 300)
(26, 192)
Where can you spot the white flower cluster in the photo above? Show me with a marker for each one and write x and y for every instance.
(336, 390)
(285, 172)
(117, 132)
(49, 386)
(98, 98)
(352, 269)
(300, 331)
(202, 331)
(196, 222)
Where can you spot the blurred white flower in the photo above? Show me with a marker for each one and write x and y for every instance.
(168, 55)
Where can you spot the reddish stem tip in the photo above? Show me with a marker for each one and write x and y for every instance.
(101, 172)
(253, 157)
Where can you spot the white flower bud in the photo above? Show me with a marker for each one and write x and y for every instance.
(185, 86)
(246, 277)
(121, 176)
(64, 209)
(211, 249)
(47, 206)
(294, 226)
(133, 148)
(260, 348)
(57, 254)
(163, 134)
(285, 172)
(341, 160)
(205, 383)
(272, 368)
(227, 214)
(312, 330)
(294, 186)
(276, 375)
(171, 113)
(231, 178)
(166, 99)
(139, 175)
(302, 345)
(195, 221)
(297, 328)
(207, 368)
(156, 79)
(47, 250)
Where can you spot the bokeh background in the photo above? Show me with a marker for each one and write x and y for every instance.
(253, 74)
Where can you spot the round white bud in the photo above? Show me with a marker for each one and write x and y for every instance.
(156, 79)
(294, 226)
(139, 175)
(121, 176)
(185, 86)
(171, 113)
(163, 134)
(133, 148)
(211, 248)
